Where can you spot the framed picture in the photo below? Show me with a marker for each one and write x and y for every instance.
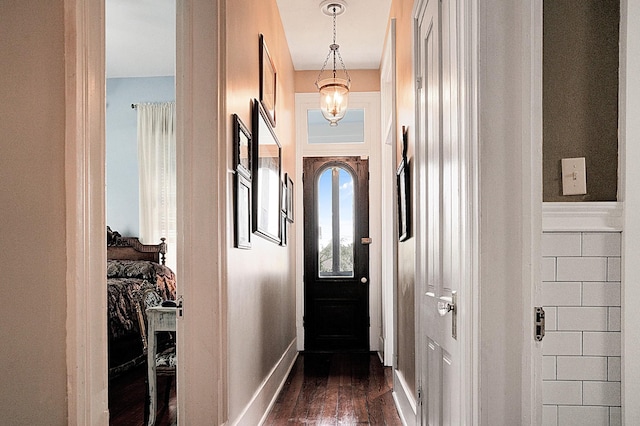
(266, 186)
(241, 147)
(285, 231)
(404, 201)
(289, 196)
(243, 212)
(268, 80)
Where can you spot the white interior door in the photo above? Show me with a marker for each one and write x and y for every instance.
(440, 215)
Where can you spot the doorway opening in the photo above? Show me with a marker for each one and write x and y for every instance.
(140, 198)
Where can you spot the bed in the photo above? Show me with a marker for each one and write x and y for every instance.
(132, 267)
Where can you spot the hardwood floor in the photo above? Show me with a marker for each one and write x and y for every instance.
(322, 389)
(336, 389)
(127, 400)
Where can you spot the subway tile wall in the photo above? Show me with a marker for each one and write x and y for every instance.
(581, 349)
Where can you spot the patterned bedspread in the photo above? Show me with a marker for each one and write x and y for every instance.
(126, 279)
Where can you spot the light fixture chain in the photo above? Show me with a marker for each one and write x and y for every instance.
(334, 50)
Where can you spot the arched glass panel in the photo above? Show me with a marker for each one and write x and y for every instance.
(335, 222)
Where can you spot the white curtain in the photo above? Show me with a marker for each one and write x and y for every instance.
(157, 169)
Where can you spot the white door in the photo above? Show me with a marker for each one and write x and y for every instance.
(441, 229)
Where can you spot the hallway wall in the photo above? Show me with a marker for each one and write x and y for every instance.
(261, 281)
(33, 390)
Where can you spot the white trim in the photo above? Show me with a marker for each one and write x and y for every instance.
(405, 403)
(587, 216)
(202, 391)
(629, 172)
(87, 377)
(257, 410)
(531, 221)
(389, 271)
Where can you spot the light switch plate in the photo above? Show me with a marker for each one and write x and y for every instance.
(574, 176)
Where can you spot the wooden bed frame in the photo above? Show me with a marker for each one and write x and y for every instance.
(130, 248)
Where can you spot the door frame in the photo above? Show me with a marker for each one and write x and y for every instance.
(370, 101)
(198, 35)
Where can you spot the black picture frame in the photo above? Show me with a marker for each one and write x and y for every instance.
(404, 201)
(266, 177)
(284, 237)
(289, 197)
(243, 212)
(242, 145)
(268, 82)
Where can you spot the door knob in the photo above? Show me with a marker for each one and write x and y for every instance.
(445, 307)
(363, 280)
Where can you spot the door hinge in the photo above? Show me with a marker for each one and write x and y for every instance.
(419, 83)
(538, 323)
(419, 395)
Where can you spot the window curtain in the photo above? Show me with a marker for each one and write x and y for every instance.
(157, 169)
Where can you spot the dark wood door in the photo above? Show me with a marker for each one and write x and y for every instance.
(336, 266)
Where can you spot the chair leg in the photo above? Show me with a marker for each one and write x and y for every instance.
(147, 399)
(167, 390)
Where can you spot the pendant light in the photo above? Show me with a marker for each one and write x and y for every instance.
(334, 89)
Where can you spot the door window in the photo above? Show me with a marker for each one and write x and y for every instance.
(335, 223)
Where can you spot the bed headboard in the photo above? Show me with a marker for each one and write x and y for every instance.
(130, 248)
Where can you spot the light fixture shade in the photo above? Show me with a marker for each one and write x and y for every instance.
(334, 98)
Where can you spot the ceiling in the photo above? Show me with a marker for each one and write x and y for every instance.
(140, 35)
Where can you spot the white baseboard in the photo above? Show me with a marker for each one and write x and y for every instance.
(405, 403)
(265, 396)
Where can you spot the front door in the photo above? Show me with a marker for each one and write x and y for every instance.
(441, 222)
(336, 254)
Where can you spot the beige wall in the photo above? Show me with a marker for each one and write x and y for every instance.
(32, 212)
(581, 95)
(261, 284)
(402, 11)
(361, 81)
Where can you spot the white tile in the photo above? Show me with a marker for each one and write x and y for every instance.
(601, 244)
(601, 294)
(561, 293)
(601, 393)
(614, 369)
(562, 393)
(562, 343)
(615, 416)
(583, 416)
(615, 316)
(548, 269)
(581, 269)
(614, 269)
(581, 368)
(583, 318)
(548, 368)
(561, 244)
(549, 415)
(550, 318)
(601, 343)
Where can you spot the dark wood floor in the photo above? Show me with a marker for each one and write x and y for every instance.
(127, 400)
(336, 389)
(322, 389)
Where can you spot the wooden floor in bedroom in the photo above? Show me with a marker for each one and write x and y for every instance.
(336, 389)
(127, 400)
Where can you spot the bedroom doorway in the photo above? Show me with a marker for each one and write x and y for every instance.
(141, 193)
